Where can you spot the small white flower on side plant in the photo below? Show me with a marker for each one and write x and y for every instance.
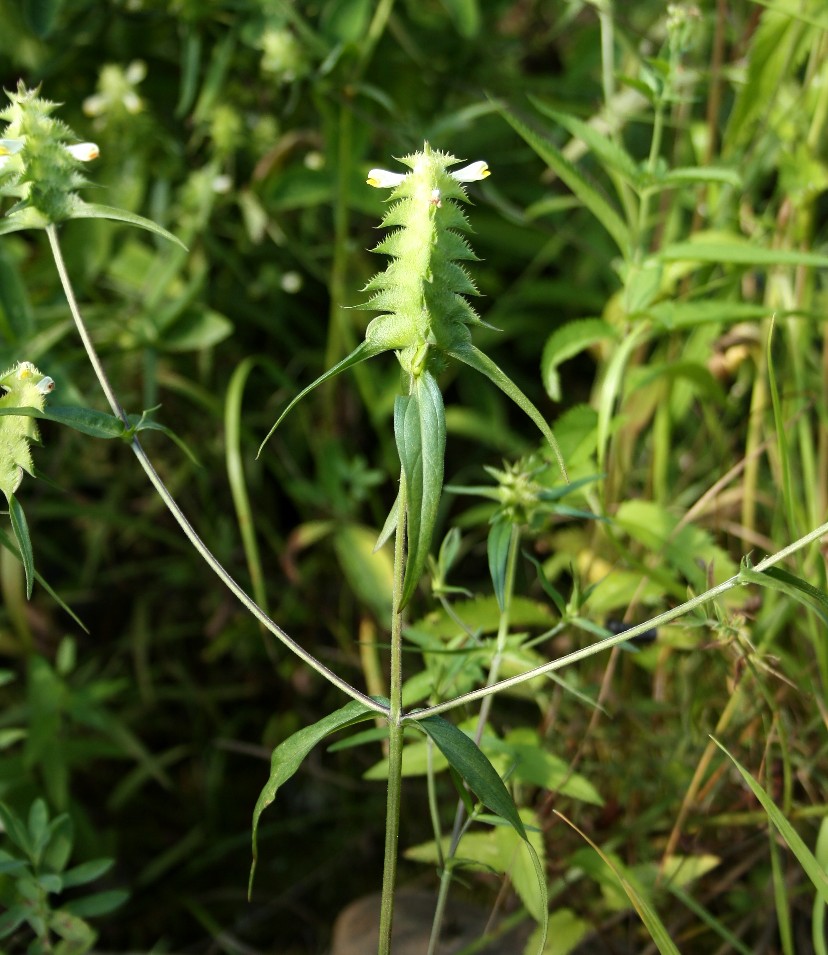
(383, 179)
(471, 173)
(85, 152)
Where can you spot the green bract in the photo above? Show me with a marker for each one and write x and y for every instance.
(425, 320)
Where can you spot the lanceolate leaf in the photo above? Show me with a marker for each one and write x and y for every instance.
(469, 762)
(360, 353)
(92, 210)
(24, 541)
(96, 424)
(777, 578)
(500, 535)
(735, 250)
(806, 858)
(611, 155)
(476, 359)
(589, 194)
(649, 916)
(473, 766)
(288, 756)
(420, 431)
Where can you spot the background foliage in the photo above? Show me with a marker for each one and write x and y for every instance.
(247, 129)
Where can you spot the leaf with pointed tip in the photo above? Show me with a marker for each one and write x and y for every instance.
(806, 858)
(362, 352)
(93, 210)
(390, 524)
(6, 542)
(474, 767)
(467, 760)
(587, 192)
(474, 358)
(500, 536)
(420, 431)
(288, 756)
(24, 541)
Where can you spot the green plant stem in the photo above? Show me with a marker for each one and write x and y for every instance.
(659, 620)
(210, 559)
(235, 475)
(395, 734)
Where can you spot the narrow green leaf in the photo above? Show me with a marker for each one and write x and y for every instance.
(647, 913)
(540, 875)
(611, 387)
(99, 903)
(468, 761)
(588, 194)
(362, 352)
(690, 175)
(96, 424)
(815, 872)
(609, 153)
(474, 767)
(820, 909)
(777, 578)
(735, 250)
(92, 210)
(86, 872)
(566, 342)
(500, 536)
(24, 541)
(420, 432)
(288, 756)
(690, 314)
(6, 542)
(15, 829)
(390, 524)
(481, 362)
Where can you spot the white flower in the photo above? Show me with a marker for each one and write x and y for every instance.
(8, 147)
(472, 172)
(383, 179)
(84, 151)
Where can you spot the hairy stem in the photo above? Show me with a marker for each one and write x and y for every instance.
(482, 720)
(156, 481)
(736, 581)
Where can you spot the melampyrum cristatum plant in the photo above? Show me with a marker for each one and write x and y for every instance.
(426, 321)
